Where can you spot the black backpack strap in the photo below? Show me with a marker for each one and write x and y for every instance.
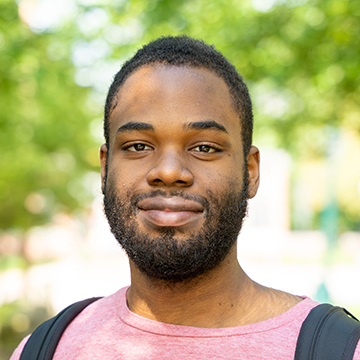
(42, 343)
(328, 333)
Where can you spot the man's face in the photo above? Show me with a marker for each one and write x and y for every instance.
(173, 177)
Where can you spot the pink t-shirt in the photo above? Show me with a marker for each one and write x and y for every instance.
(108, 330)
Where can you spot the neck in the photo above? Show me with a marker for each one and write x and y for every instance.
(223, 297)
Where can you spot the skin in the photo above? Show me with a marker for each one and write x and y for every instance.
(158, 141)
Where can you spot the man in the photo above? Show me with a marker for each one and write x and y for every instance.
(177, 170)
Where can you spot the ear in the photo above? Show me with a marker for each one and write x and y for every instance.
(253, 166)
(103, 162)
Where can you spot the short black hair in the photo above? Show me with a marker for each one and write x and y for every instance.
(188, 52)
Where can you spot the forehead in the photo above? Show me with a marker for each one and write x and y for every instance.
(174, 94)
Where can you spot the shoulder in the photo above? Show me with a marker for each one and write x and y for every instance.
(91, 317)
(95, 316)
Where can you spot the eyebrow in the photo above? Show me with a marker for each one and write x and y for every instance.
(198, 125)
(206, 125)
(134, 126)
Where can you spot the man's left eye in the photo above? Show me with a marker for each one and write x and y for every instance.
(205, 148)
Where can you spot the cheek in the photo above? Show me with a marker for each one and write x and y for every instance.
(121, 174)
(125, 183)
(218, 178)
(116, 181)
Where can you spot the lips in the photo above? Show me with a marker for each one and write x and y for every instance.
(172, 212)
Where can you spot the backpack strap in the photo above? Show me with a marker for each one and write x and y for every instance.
(42, 343)
(328, 333)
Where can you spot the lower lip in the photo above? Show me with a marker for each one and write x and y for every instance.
(169, 218)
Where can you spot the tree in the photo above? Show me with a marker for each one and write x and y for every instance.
(299, 58)
(45, 140)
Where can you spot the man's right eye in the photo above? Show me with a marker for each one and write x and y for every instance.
(137, 147)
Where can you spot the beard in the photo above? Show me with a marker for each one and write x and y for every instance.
(166, 257)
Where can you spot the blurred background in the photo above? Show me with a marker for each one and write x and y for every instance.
(300, 59)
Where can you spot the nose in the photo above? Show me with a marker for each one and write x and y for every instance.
(170, 170)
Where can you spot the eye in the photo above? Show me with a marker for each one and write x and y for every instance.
(205, 149)
(137, 147)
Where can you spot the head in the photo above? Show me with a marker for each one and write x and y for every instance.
(187, 52)
(178, 166)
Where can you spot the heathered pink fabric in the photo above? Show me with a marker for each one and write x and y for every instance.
(107, 329)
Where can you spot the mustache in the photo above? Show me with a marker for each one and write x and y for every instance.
(136, 198)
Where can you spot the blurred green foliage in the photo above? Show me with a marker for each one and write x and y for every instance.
(300, 59)
(17, 320)
(44, 123)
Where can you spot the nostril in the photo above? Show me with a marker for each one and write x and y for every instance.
(159, 181)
